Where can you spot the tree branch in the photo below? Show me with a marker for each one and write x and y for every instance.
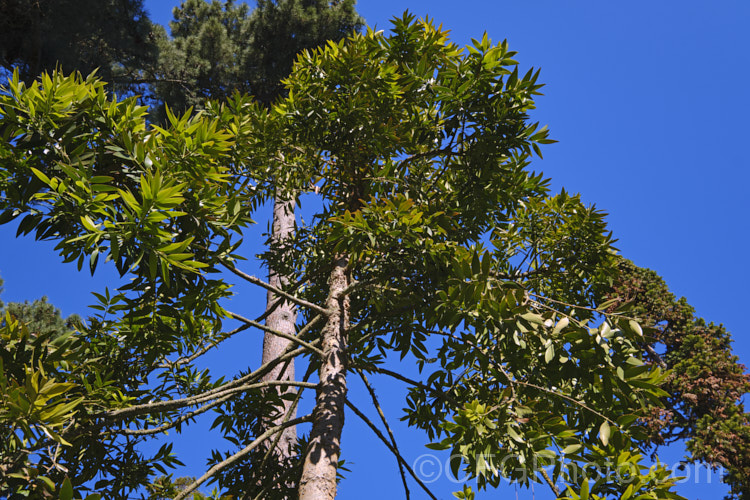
(573, 306)
(189, 359)
(277, 291)
(447, 150)
(289, 353)
(521, 275)
(656, 356)
(275, 443)
(234, 458)
(549, 481)
(511, 381)
(173, 404)
(391, 448)
(437, 392)
(376, 403)
(183, 418)
(221, 399)
(292, 338)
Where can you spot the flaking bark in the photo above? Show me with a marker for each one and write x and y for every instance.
(318, 480)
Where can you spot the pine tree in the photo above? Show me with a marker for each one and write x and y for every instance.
(219, 48)
(114, 37)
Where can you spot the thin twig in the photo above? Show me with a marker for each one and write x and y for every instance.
(207, 395)
(448, 150)
(521, 275)
(175, 423)
(656, 356)
(437, 392)
(293, 338)
(392, 450)
(276, 440)
(219, 400)
(189, 359)
(288, 354)
(277, 291)
(573, 306)
(376, 403)
(551, 484)
(173, 404)
(512, 381)
(271, 308)
(356, 285)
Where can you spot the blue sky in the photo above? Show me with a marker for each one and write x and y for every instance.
(649, 101)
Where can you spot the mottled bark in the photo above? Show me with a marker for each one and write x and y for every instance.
(319, 470)
(282, 319)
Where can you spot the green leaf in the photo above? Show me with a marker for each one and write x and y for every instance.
(626, 420)
(533, 318)
(635, 327)
(41, 176)
(47, 482)
(549, 353)
(561, 325)
(570, 449)
(585, 489)
(88, 223)
(442, 445)
(604, 433)
(66, 490)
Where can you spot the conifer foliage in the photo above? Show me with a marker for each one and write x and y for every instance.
(114, 37)
(218, 48)
(706, 382)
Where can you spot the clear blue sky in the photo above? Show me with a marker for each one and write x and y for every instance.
(649, 101)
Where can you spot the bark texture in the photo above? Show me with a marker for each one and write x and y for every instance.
(282, 319)
(318, 480)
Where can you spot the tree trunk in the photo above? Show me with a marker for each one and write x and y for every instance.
(321, 460)
(283, 319)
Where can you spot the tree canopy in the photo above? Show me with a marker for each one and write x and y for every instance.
(706, 383)
(114, 37)
(220, 48)
(214, 48)
(435, 242)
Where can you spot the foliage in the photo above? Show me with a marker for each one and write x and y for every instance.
(163, 488)
(113, 36)
(706, 383)
(50, 377)
(281, 29)
(216, 49)
(40, 317)
(435, 243)
(79, 195)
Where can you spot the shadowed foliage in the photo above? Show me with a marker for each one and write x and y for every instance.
(114, 37)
